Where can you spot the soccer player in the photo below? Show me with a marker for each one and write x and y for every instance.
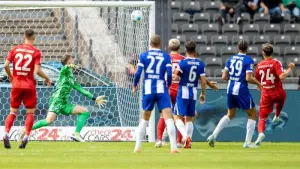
(26, 60)
(270, 73)
(59, 100)
(190, 70)
(155, 63)
(238, 72)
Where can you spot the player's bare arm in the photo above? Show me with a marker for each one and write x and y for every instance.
(212, 85)
(39, 71)
(203, 89)
(250, 79)
(286, 73)
(225, 75)
(7, 70)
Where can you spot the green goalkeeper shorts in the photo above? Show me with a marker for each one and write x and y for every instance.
(58, 108)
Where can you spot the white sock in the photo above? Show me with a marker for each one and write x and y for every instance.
(141, 131)
(222, 123)
(250, 130)
(181, 127)
(172, 133)
(189, 129)
(165, 134)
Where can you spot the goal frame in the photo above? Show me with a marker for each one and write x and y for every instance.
(151, 4)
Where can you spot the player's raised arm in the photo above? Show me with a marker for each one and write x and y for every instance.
(169, 70)
(285, 74)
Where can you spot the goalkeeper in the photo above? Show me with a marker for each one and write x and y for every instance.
(59, 100)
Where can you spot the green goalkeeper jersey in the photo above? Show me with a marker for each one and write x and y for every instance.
(66, 82)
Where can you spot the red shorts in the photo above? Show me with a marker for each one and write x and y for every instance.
(19, 95)
(267, 102)
(173, 93)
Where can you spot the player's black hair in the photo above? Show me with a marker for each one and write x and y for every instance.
(29, 33)
(243, 46)
(65, 59)
(190, 47)
(267, 49)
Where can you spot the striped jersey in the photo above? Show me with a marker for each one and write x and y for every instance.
(155, 63)
(191, 69)
(238, 65)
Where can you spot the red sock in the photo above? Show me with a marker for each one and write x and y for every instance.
(179, 136)
(9, 121)
(29, 123)
(160, 128)
(278, 109)
(261, 125)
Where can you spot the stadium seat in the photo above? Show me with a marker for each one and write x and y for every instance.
(251, 30)
(227, 52)
(296, 61)
(282, 41)
(297, 40)
(252, 51)
(207, 52)
(272, 30)
(175, 29)
(276, 53)
(208, 72)
(291, 52)
(219, 42)
(211, 7)
(245, 19)
(230, 30)
(202, 2)
(210, 30)
(189, 30)
(201, 18)
(218, 72)
(175, 7)
(292, 30)
(236, 39)
(200, 40)
(213, 63)
(258, 41)
(182, 40)
(191, 7)
(181, 18)
(261, 20)
(286, 20)
(257, 60)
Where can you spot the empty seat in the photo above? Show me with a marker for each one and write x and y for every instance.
(202, 2)
(292, 30)
(230, 30)
(261, 19)
(191, 7)
(276, 53)
(257, 60)
(245, 19)
(201, 18)
(296, 61)
(175, 7)
(227, 52)
(211, 7)
(175, 29)
(189, 30)
(218, 72)
(218, 42)
(207, 52)
(210, 30)
(286, 20)
(291, 52)
(213, 63)
(182, 40)
(297, 40)
(236, 39)
(272, 30)
(252, 51)
(200, 40)
(181, 18)
(258, 41)
(251, 30)
(281, 42)
(208, 72)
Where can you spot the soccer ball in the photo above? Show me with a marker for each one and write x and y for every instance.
(136, 16)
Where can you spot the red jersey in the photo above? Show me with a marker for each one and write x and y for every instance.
(175, 58)
(24, 57)
(268, 72)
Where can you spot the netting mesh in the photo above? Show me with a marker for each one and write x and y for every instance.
(104, 41)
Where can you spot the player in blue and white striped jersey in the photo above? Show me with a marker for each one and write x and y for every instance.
(190, 70)
(155, 63)
(238, 73)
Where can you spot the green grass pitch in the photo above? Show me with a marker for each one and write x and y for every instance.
(119, 155)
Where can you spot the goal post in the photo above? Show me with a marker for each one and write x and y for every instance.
(103, 40)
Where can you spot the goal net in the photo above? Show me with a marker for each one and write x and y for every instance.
(103, 40)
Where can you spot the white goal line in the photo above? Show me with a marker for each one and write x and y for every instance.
(76, 4)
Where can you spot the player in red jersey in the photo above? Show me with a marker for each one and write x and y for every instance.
(26, 60)
(270, 73)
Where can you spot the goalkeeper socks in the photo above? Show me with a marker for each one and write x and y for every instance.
(222, 123)
(29, 123)
(141, 131)
(189, 129)
(261, 125)
(160, 128)
(181, 128)
(39, 124)
(9, 122)
(250, 130)
(81, 121)
(172, 133)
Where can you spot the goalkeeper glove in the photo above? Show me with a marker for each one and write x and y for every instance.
(73, 66)
(100, 100)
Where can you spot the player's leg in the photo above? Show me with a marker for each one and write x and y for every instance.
(279, 105)
(160, 129)
(83, 115)
(189, 122)
(180, 112)
(180, 137)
